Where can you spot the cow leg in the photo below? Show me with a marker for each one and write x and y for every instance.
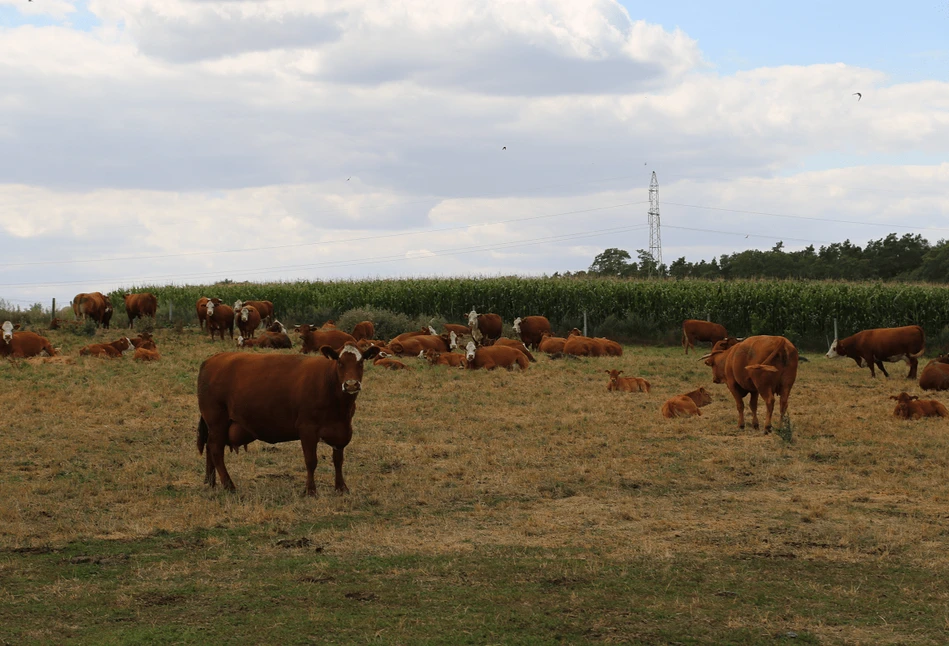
(210, 475)
(873, 372)
(913, 364)
(769, 403)
(308, 442)
(785, 392)
(882, 369)
(754, 410)
(216, 451)
(740, 405)
(338, 465)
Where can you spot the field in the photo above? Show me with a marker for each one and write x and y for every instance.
(485, 508)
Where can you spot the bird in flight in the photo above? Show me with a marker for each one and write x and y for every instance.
(348, 178)
(858, 95)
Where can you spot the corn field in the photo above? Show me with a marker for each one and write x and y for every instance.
(803, 311)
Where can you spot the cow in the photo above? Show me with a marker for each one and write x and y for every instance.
(450, 359)
(329, 325)
(364, 330)
(144, 340)
(517, 345)
(202, 309)
(368, 343)
(608, 347)
(146, 354)
(140, 306)
(484, 327)
(494, 356)
(110, 350)
(626, 384)
(248, 320)
(264, 308)
(267, 339)
(551, 344)
(694, 330)
(19, 345)
(759, 365)
(276, 327)
(220, 318)
(96, 306)
(459, 330)
(687, 404)
(388, 363)
(407, 335)
(315, 339)
(415, 345)
(935, 376)
(531, 330)
(582, 346)
(912, 407)
(889, 344)
(278, 398)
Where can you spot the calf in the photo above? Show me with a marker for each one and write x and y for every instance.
(144, 340)
(450, 359)
(494, 356)
(111, 350)
(626, 384)
(388, 363)
(145, 354)
(912, 407)
(687, 404)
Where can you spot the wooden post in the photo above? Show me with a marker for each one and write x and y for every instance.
(835, 329)
(584, 323)
(53, 313)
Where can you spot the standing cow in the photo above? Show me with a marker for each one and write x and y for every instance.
(220, 318)
(694, 330)
(278, 398)
(264, 308)
(95, 306)
(759, 365)
(248, 320)
(888, 344)
(485, 328)
(531, 330)
(140, 306)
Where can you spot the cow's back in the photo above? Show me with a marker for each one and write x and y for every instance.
(935, 376)
(888, 342)
(772, 351)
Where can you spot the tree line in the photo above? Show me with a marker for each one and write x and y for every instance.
(907, 258)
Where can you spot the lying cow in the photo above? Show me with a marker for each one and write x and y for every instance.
(276, 340)
(517, 345)
(279, 398)
(144, 340)
(626, 384)
(387, 362)
(912, 407)
(416, 345)
(759, 365)
(935, 376)
(551, 344)
(694, 330)
(450, 359)
(889, 344)
(19, 345)
(111, 350)
(146, 354)
(687, 404)
(494, 356)
(314, 340)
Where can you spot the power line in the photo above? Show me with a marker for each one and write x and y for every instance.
(313, 244)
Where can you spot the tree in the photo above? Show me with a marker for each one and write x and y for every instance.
(612, 262)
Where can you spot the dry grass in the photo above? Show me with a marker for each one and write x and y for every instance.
(448, 463)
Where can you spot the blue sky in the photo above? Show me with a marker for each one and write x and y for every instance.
(152, 138)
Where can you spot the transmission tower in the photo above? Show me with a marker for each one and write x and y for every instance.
(655, 238)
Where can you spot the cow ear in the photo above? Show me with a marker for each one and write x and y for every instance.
(370, 352)
(329, 353)
(915, 397)
(894, 397)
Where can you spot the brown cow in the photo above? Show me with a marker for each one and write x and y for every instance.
(912, 407)
(609, 348)
(484, 327)
(363, 345)
(19, 345)
(264, 308)
(450, 359)
(140, 305)
(416, 345)
(96, 306)
(248, 320)
(388, 363)
(267, 339)
(935, 376)
(687, 404)
(694, 330)
(494, 356)
(889, 344)
(531, 330)
(759, 365)
(278, 398)
(408, 335)
(364, 330)
(202, 309)
(517, 345)
(276, 327)
(146, 354)
(220, 318)
(583, 346)
(459, 330)
(315, 339)
(329, 325)
(551, 344)
(626, 384)
(144, 340)
(111, 350)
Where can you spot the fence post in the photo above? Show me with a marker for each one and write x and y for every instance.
(835, 329)
(53, 313)
(584, 323)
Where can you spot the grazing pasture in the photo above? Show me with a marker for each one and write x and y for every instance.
(485, 507)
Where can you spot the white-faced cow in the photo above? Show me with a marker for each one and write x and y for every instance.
(485, 328)
(889, 344)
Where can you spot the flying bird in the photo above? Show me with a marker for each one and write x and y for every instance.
(858, 95)
(503, 147)
(349, 178)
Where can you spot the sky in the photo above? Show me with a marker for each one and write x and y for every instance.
(192, 141)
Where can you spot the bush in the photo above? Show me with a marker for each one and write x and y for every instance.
(387, 323)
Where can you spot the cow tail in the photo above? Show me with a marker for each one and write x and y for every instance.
(202, 435)
(766, 364)
(919, 354)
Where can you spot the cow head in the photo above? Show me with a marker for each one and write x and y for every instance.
(349, 365)
(452, 340)
(211, 306)
(431, 355)
(473, 319)
(277, 326)
(614, 374)
(835, 351)
(245, 313)
(240, 341)
(702, 397)
(7, 331)
(238, 305)
(902, 404)
(716, 361)
(470, 350)
(517, 326)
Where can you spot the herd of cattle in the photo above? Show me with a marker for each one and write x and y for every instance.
(276, 397)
